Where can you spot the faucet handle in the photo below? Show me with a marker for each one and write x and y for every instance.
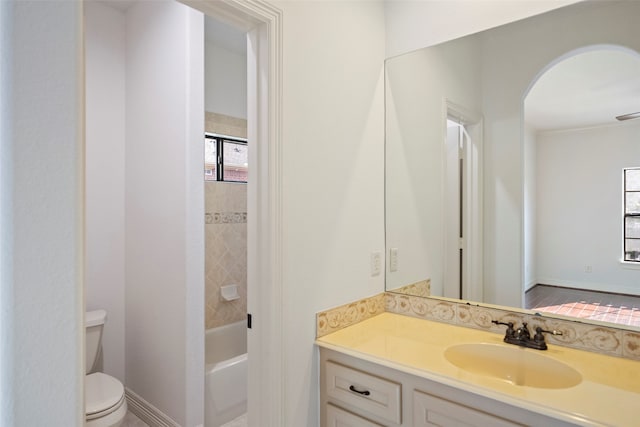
(509, 324)
(510, 331)
(540, 331)
(538, 338)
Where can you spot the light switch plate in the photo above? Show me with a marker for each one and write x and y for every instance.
(376, 263)
(393, 259)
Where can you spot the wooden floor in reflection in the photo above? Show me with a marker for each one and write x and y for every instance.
(608, 307)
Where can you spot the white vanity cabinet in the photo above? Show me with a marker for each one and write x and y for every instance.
(338, 417)
(354, 388)
(431, 410)
(362, 393)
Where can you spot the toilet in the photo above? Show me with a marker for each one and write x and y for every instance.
(105, 404)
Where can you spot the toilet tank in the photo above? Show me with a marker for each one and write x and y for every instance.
(94, 322)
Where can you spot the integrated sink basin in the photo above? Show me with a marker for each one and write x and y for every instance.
(516, 365)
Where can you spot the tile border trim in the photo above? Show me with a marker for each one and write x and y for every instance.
(349, 314)
(582, 336)
(225, 217)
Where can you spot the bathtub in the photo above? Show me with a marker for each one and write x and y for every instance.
(225, 373)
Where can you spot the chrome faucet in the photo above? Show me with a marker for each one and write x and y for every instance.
(522, 337)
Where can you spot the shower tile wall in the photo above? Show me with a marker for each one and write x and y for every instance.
(225, 236)
(225, 125)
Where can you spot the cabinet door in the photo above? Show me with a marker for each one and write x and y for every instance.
(429, 410)
(377, 396)
(337, 417)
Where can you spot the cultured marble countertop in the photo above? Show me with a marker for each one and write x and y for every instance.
(609, 393)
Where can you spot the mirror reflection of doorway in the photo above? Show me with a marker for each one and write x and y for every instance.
(457, 139)
(462, 206)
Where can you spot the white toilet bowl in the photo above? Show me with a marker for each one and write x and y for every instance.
(105, 404)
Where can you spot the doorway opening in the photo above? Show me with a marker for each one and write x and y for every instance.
(157, 70)
(262, 24)
(578, 220)
(226, 172)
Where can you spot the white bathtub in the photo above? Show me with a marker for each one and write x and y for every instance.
(225, 373)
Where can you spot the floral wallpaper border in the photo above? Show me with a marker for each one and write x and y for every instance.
(420, 289)
(582, 336)
(349, 314)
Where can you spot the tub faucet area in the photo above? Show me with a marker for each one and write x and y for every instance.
(226, 373)
(522, 336)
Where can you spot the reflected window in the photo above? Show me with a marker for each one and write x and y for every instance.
(225, 158)
(632, 214)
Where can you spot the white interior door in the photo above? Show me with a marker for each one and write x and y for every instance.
(454, 251)
(463, 209)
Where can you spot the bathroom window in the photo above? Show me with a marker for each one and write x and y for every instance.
(225, 158)
(632, 214)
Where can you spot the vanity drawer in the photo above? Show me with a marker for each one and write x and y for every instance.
(338, 417)
(429, 410)
(364, 391)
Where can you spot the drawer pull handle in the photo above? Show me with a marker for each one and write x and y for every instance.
(362, 392)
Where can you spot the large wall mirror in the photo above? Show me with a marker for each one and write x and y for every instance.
(506, 167)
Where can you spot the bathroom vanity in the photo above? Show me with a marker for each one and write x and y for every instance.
(393, 370)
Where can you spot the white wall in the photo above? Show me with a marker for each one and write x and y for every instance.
(412, 25)
(530, 204)
(333, 176)
(41, 298)
(164, 194)
(226, 81)
(104, 180)
(579, 207)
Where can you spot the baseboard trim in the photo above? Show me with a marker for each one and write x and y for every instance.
(587, 286)
(147, 412)
(530, 285)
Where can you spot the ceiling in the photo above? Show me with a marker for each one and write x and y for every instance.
(225, 36)
(588, 89)
(121, 5)
(215, 31)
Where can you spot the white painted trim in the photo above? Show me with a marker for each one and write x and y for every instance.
(265, 220)
(194, 231)
(266, 373)
(474, 223)
(630, 265)
(148, 413)
(529, 285)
